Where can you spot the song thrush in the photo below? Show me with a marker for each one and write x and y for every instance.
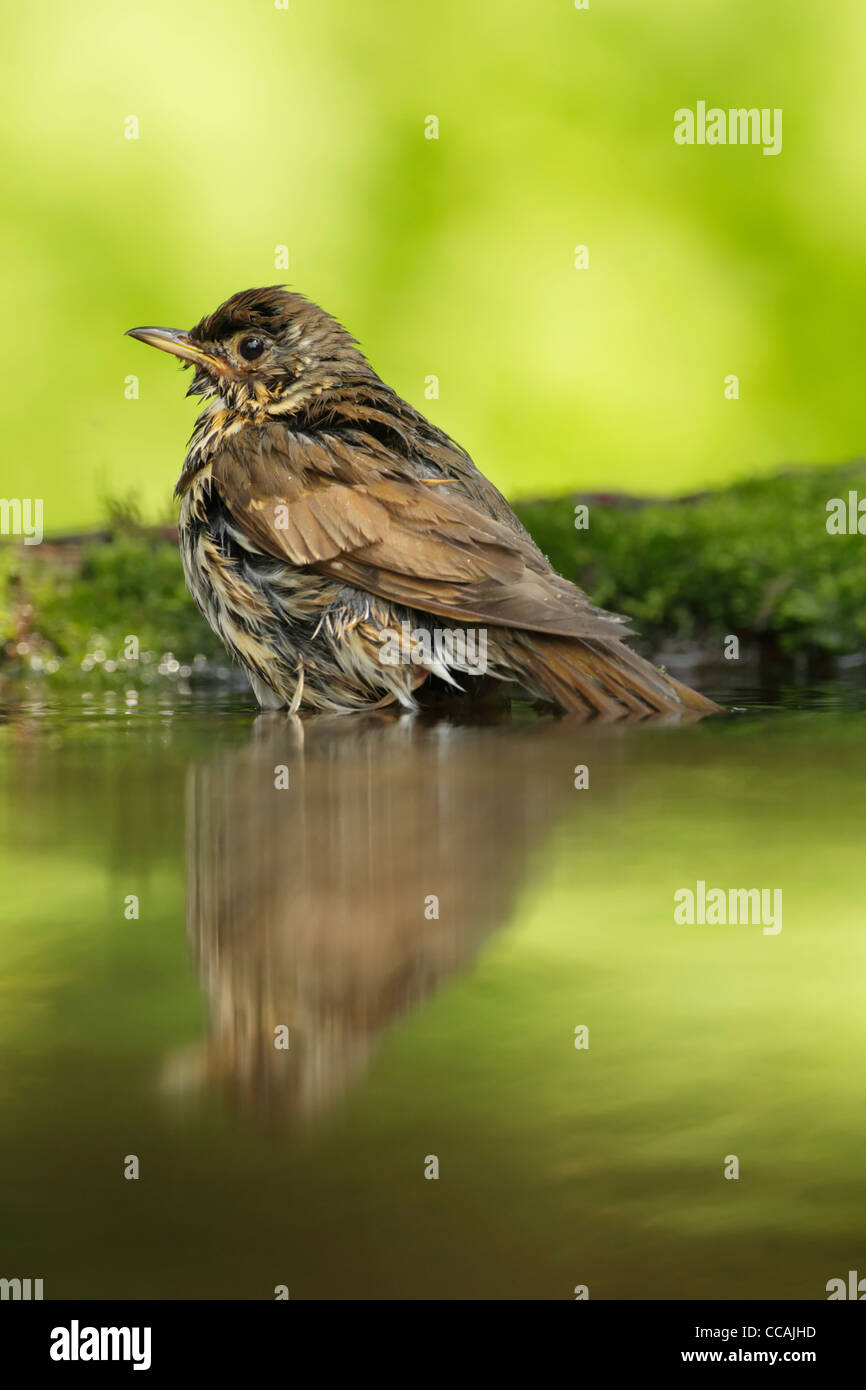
(321, 513)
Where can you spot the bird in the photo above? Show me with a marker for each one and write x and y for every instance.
(322, 517)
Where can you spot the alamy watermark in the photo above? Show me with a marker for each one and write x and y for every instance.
(22, 516)
(756, 907)
(735, 126)
(77, 1343)
(854, 1288)
(846, 517)
(463, 648)
(22, 1290)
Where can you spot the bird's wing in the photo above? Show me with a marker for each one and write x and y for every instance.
(342, 511)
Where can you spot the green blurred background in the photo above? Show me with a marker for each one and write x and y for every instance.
(304, 127)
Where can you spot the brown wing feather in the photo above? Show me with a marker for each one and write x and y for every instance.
(606, 677)
(353, 519)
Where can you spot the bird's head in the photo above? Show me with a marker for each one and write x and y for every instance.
(264, 352)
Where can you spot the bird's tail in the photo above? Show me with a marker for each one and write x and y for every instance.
(601, 677)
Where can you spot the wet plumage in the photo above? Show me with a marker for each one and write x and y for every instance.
(319, 511)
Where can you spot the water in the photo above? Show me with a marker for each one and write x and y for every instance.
(314, 906)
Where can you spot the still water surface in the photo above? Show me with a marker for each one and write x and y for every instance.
(314, 906)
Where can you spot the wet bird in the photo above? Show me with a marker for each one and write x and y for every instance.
(320, 515)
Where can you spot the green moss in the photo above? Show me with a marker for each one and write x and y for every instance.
(68, 612)
(754, 559)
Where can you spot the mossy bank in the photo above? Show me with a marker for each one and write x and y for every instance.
(756, 560)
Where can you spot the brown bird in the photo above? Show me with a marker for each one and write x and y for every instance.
(349, 554)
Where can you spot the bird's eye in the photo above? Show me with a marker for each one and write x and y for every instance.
(251, 348)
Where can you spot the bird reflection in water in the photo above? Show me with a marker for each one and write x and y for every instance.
(335, 904)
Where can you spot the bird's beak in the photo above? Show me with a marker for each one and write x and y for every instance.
(178, 342)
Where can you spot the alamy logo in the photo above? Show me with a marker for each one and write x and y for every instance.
(23, 1289)
(75, 1343)
(846, 518)
(734, 907)
(440, 648)
(22, 516)
(856, 1287)
(736, 126)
